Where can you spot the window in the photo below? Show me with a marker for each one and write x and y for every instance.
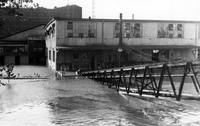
(53, 30)
(127, 26)
(40, 49)
(128, 35)
(53, 56)
(171, 26)
(86, 55)
(76, 55)
(91, 35)
(137, 26)
(138, 35)
(170, 35)
(1, 49)
(81, 35)
(117, 26)
(49, 54)
(70, 35)
(10, 49)
(21, 49)
(70, 25)
(117, 35)
(34, 49)
(180, 27)
(179, 35)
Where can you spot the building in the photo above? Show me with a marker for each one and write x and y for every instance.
(25, 47)
(88, 44)
(37, 16)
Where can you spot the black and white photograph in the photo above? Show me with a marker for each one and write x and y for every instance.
(99, 63)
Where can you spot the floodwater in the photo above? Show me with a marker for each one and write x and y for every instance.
(79, 102)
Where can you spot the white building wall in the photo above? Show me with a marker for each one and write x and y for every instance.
(190, 31)
(149, 30)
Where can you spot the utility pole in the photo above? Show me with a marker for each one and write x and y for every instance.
(120, 39)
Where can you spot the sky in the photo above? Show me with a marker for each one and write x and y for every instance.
(141, 9)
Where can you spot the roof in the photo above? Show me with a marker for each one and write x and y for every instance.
(23, 31)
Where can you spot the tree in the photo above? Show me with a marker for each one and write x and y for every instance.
(12, 8)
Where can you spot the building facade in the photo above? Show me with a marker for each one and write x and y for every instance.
(88, 44)
(25, 47)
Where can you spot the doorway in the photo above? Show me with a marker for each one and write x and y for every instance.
(1, 60)
(17, 60)
(155, 55)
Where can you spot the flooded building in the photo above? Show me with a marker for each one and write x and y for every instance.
(25, 47)
(88, 44)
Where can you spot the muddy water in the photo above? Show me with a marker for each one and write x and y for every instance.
(75, 102)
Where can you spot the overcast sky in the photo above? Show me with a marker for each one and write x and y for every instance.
(142, 9)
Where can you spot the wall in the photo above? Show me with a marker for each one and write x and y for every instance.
(24, 60)
(9, 59)
(105, 34)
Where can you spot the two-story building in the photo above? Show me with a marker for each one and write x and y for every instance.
(87, 44)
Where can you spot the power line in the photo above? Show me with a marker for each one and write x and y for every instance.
(144, 53)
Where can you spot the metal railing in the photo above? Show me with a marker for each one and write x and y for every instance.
(148, 79)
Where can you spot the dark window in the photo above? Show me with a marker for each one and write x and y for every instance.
(137, 26)
(155, 55)
(21, 49)
(198, 53)
(138, 35)
(76, 55)
(40, 50)
(180, 27)
(81, 35)
(86, 55)
(170, 35)
(10, 49)
(117, 35)
(179, 35)
(1, 49)
(127, 26)
(110, 57)
(70, 34)
(53, 56)
(117, 27)
(171, 27)
(70, 25)
(128, 35)
(34, 49)
(91, 35)
(49, 54)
